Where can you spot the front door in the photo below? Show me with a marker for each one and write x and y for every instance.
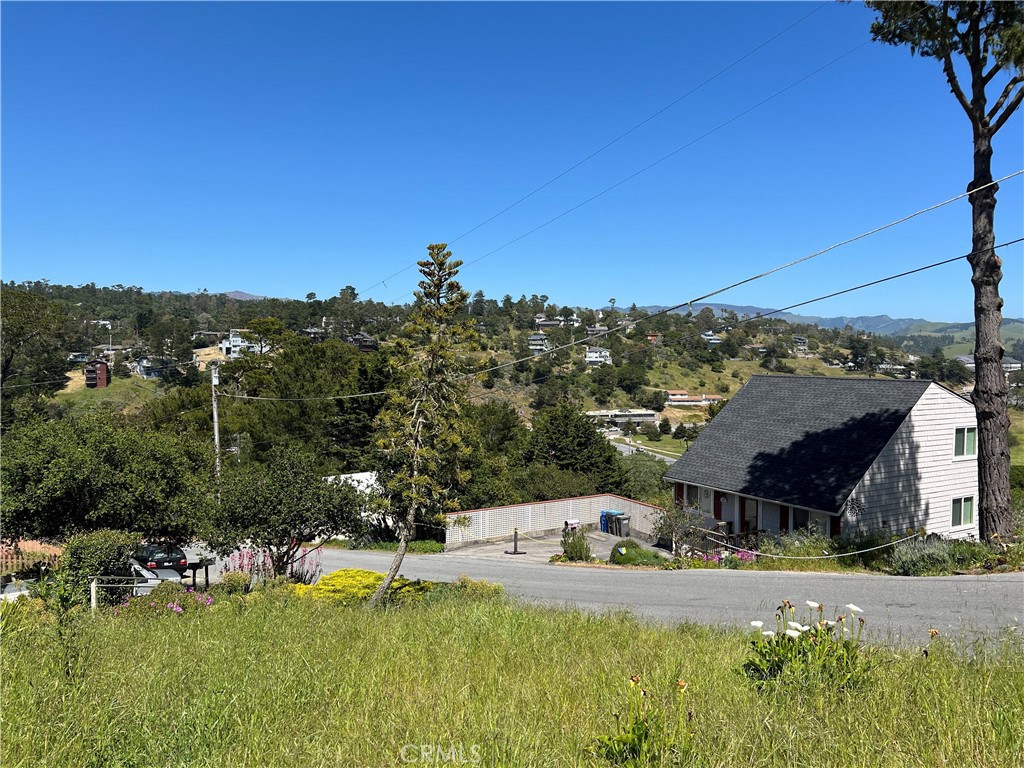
(748, 515)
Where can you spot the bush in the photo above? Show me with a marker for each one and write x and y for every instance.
(921, 558)
(234, 583)
(629, 552)
(351, 586)
(575, 547)
(98, 553)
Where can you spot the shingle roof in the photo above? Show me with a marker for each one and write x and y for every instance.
(800, 440)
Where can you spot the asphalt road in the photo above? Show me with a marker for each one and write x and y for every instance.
(898, 610)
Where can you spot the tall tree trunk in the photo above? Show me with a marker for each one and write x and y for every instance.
(990, 386)
(403, 544)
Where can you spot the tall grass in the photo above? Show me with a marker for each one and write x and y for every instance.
(273, 680)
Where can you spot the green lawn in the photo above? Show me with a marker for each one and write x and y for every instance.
(290, 682)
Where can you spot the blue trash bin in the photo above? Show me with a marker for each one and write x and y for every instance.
(604, 521)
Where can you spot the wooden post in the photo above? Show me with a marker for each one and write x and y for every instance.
(94, 594)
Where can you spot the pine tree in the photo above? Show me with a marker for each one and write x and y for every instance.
(420, 435)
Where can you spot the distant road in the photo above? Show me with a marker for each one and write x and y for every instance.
(898, 610)
(628, 449)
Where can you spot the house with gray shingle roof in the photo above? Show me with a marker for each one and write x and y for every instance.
(843, 454)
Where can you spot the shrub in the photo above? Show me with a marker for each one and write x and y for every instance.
(629, 552)
(921, 558)
(575, 547)
(817, 653)
(98, 553)
(234, 583)
(351, 586)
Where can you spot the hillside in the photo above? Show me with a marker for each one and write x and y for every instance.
(1012, 328)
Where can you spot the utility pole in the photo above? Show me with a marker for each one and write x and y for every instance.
(214, 381)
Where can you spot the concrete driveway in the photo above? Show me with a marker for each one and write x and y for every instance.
(898, 610)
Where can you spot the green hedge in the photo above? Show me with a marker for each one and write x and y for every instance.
(98, 553)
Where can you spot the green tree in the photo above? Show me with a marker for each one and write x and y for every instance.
(985, 40)
(278, 504)
(651, 432)
(565, 438)
(420, 439)
(643, 479)
(75, 475)
(33, 354)
(665, 426)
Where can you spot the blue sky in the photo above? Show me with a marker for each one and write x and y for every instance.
(286, 148)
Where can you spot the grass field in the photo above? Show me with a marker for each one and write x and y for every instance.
(282, 681)
(126, 395)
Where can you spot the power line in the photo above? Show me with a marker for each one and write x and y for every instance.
(667, 310)
(617, 139)
(662, 159)
(660, 312)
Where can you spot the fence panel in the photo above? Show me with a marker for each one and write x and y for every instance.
(499, 523)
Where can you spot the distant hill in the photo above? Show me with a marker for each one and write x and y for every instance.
(880, 324)
(242, 296)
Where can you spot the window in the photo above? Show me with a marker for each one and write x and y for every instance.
(963, 511)
(692, 496)
(965, 441)
(801, 519)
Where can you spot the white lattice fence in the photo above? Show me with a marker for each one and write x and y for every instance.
(498, 523)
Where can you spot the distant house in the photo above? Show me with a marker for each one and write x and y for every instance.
(1010, 364)
(655, 338)
(154, 367)
(843, 454)
(800, 343)
(315, 332)
(598, 356)
(538, 343)
(108, 351)
(596, 330)
(624, 416)
(711, 339)
(78, 357)
(682, 397)
(97, 374)
(541, 322)
(234, 346)
(364, 342)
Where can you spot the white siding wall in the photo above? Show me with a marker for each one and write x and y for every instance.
(915, 478)
(498, 523)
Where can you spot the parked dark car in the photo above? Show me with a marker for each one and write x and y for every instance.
(162, 555)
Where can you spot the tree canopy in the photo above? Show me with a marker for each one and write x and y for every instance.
(82, 474)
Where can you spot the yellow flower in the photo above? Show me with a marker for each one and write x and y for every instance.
(933, 632)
